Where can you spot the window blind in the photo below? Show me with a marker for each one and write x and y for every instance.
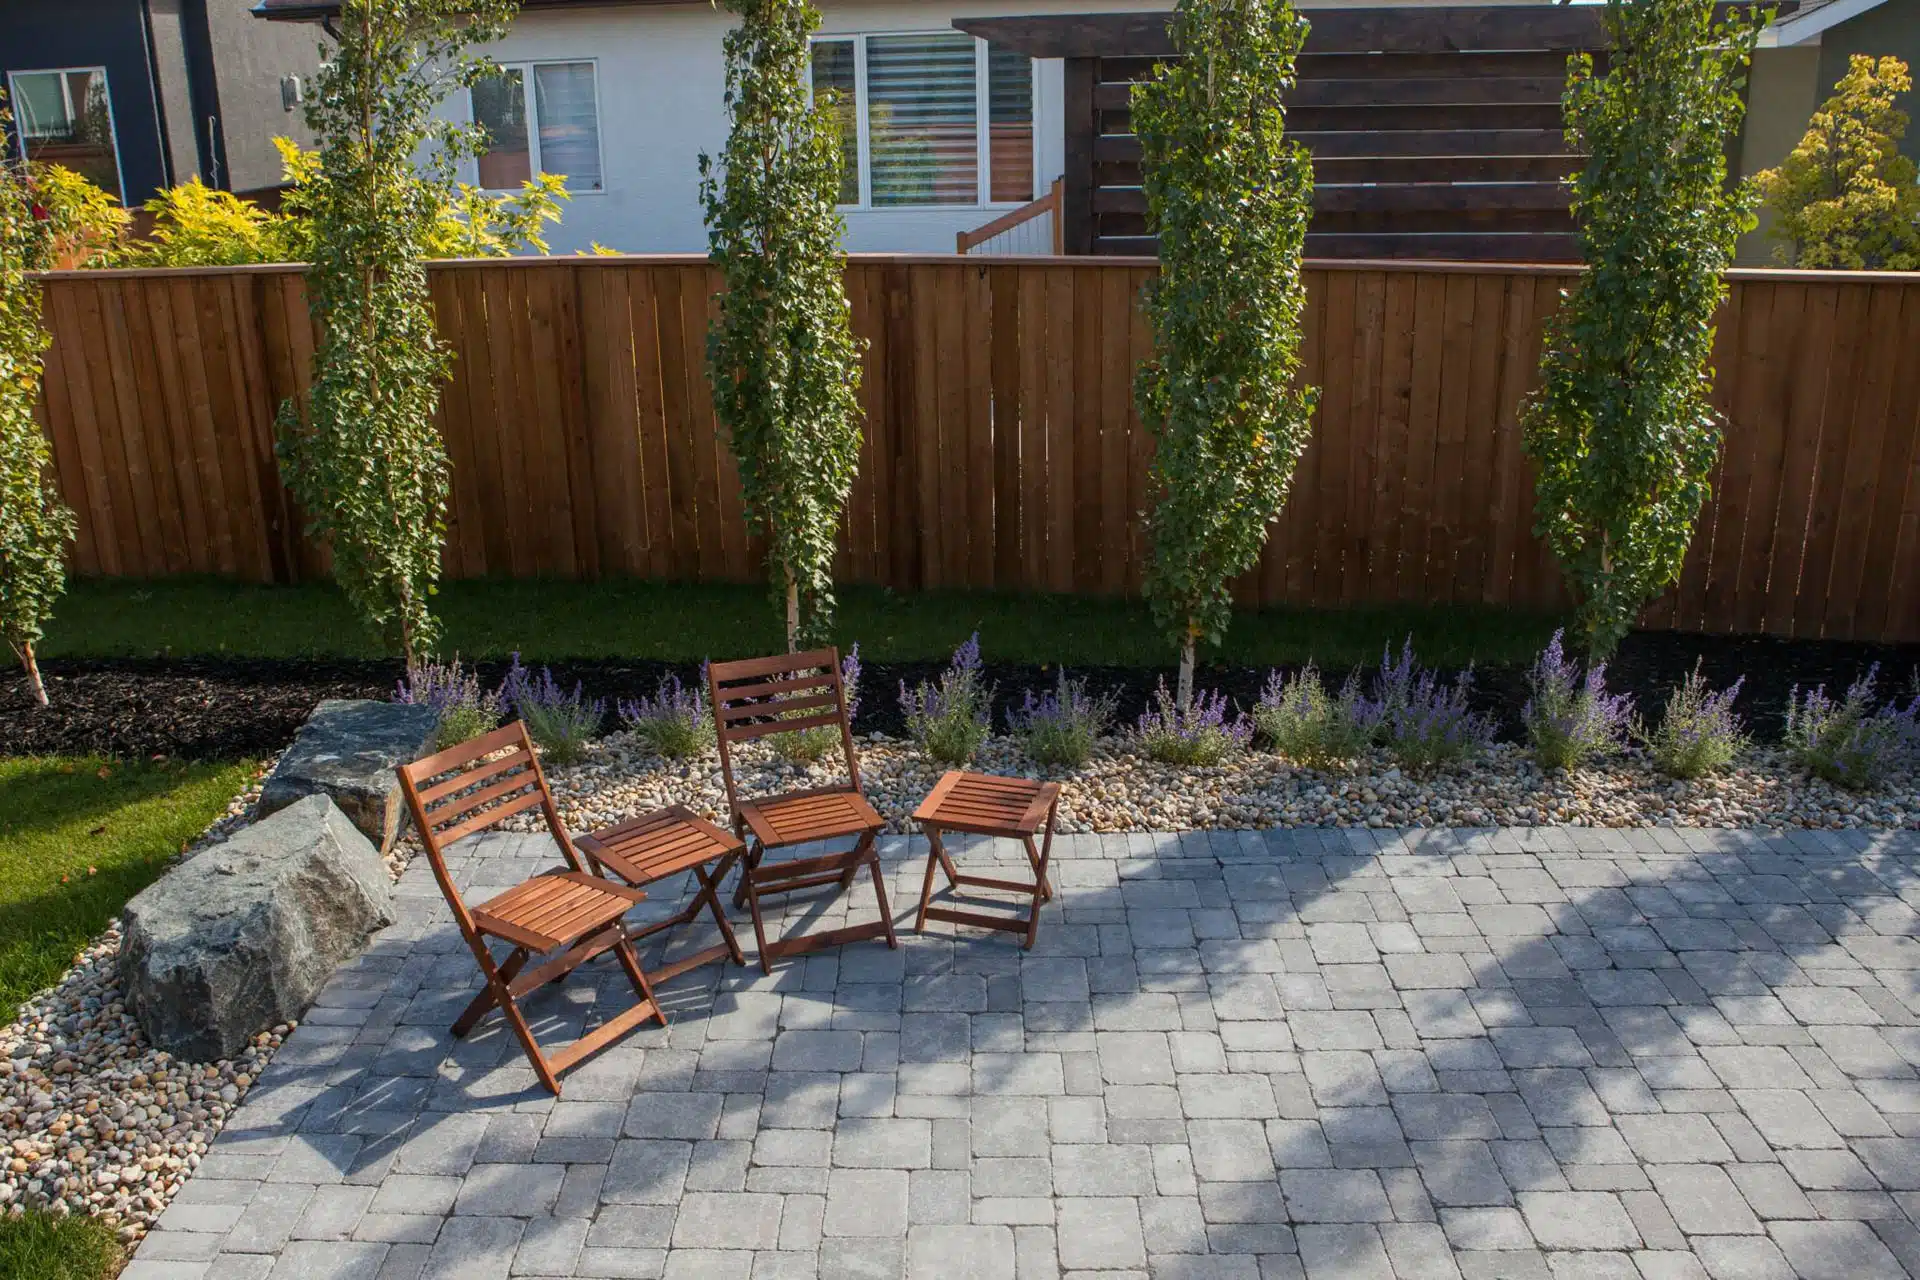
(1010, 124)
(922, 119)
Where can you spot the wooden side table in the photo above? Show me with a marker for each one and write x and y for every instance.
(982, 804)
(662, 843)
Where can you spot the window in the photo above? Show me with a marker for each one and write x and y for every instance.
(924, 116)
(64, 117)
(540, 117)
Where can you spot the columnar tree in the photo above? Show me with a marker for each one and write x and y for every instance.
(365, 460)
(35, 526)
(1622, 437)
(781, 356)
(1229, 196)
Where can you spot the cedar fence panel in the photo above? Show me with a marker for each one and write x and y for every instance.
(1001, 449)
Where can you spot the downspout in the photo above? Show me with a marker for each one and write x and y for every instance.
(153, 95)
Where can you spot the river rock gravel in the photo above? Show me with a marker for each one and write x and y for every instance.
(1119, 790)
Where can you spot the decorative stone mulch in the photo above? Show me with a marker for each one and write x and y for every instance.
(1119, 790)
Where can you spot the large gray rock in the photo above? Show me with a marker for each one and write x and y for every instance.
(348, 749)
(242, 935)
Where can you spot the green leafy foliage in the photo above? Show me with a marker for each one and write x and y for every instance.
(1300, 720)
(781, 355)
(1846, 198)
(35, 526)
(1620, 432)
(82, 223)
(1229, 196)
(366, 461)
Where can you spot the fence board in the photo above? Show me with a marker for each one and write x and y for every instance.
(1001, 446)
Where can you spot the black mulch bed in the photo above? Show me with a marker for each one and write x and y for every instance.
(222, 709)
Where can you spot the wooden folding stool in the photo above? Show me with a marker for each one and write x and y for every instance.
(665, 842)
(982, 804)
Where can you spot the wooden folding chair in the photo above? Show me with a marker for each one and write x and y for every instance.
(795, 692)
(567, 914)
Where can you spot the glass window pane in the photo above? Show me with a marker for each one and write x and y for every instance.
(500, 108)
(923, 119)
(1010, 124)
(569, 123)
(63, 119)
(833, 82)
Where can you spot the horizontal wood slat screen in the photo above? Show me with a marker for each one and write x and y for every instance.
(1001, 448)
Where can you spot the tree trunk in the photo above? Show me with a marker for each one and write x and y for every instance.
(1183, 696)
(793, 613)
(33, 674)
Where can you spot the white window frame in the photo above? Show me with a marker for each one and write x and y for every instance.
(982, 122)
(106, 89)
(525, 67)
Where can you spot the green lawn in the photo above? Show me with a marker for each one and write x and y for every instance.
(78, 837)
(552, 621)
(39, 1248)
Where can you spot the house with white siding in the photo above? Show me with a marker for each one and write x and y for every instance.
(1436, 127)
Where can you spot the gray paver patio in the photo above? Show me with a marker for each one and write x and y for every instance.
(1322, 1054)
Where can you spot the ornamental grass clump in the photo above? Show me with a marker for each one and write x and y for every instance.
(676, 722)
(1300, 720)
(562, 723)
(1570, 717)
(462, 708)
(1061, 727)
(1852, 741)
(1420, 720)
(1202, 734)
(1700, 733)
(811, 745)
(948, 719)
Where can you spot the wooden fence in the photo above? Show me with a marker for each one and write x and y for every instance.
(1001, 448)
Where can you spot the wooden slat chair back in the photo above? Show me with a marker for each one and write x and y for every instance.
(755, 699)
(566, 914)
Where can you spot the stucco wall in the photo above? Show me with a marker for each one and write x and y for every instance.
(249, 58)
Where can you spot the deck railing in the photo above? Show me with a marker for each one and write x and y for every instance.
(1021, 231)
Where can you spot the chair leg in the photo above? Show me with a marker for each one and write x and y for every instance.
(926, 885)
(759, 922)
(637, 976)
(488, 998)
(710, 891)
(755, 852)
(879, 887)
(1042, 891)
(500, 992)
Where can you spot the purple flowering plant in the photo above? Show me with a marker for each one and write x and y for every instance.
(1204, 734)
(949, 718)
(462, 708)
(1298, 719)
(1570, 717)
(1855, 741)
(1062, 726)
(1700, 732)
(676, 722)
(561, 721)
(1423, 721)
